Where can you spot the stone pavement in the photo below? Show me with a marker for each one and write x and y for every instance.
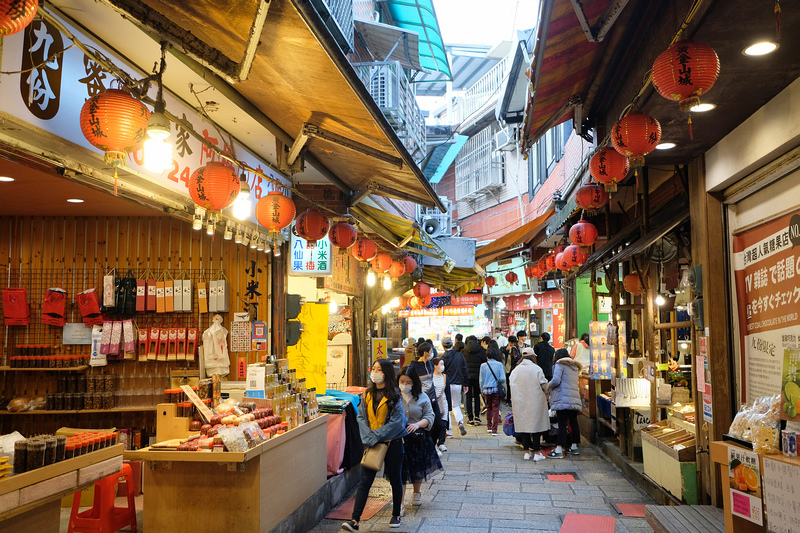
(487, 487)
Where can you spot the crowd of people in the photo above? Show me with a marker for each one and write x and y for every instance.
(411, 411)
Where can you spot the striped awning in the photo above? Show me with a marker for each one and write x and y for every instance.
(501, 246)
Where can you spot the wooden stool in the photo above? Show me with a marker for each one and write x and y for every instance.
(103, 517)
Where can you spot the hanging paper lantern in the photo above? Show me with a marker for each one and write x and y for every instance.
(583, 233)
(591, 197)
(422, 289)
(343, 235)
(561, 262)
(409, 263)
(275, 211)
(560, 247)
(425, 301)
(635, 135)
(542, 264)
(536, 271)
(115, 122)
(364, 249)
(15, 15)
(312, 226)
(550, 261)
(575, 255)
(415, 303)
(685, 71)
(214, 186)
(382, 262)
(633, 283)
(608, 167)
(397, 269)
(512, 278)
(529, 271)
(490, 281)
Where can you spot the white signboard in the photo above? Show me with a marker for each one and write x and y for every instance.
(309, 260)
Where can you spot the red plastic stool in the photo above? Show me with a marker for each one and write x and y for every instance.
(103, 517)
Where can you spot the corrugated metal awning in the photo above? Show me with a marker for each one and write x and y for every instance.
(491, 252)
(390, 43)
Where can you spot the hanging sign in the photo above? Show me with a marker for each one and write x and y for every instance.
(309, 259)
(347, 276)
(379, 349)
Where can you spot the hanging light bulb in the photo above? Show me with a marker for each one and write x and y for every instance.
(157, 151)
(242, 206)
(262, 241)
(254, 241)
(277, 249)
(387, 283)
(660, 300)
(333, 307)
(684, 345)
(239, 235)
(371, 278)
(267, 245)
(211, 224)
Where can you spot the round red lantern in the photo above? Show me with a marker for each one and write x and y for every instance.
(559, 248)
(382, 262)
(490, 281)
(591, 197)
(214, 186)
(561, 262)
(608, 167)
(15, 15)
(364, 249)
(415, 303)
(529, 271)
(512, 278)
(397, 269)
(343, 235)
(685, 71)
(312, 226)
(575, 255)
(550, 261)
(425, 301)
(542, 264)
(536, 271)
(635, 135)
(583, 233)
(422, 289)
(409, 263)
(115, 122)
(633, 283)
(275, 211)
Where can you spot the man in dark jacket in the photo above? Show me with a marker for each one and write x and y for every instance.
(459, 344)
(544, 355)
(475, 356)
(455, 368)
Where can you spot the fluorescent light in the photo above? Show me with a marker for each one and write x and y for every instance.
(760, 49)
(702, 108)
(665, 146)
(75, 200)
(6, 178)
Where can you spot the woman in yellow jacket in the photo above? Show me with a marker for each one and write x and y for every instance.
(381, 418)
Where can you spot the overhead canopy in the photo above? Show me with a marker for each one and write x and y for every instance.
(390, 43)
(468, 64)
(396, 230)
(522, 235)
(419, 16)
(443, 156)
(459, 281)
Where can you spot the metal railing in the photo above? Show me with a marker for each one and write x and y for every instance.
(478, 167)
(338, 17)
(484, 91)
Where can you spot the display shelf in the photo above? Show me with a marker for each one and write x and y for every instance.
(680, 422)
(82, 411)
(68, 369)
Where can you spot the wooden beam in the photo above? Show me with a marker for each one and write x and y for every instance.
(674, 325)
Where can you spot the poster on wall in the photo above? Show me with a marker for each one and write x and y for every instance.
(601, 350)
(766, 266)
(745, 481)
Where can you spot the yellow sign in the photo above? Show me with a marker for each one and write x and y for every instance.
(379, 349)
(310, 355)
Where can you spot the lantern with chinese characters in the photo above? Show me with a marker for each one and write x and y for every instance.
(364, 249)
(512, 278)
(382, 262)
(583, 233)
(684, 72)
(608, 167)
(312, 226)
(214, 186)
(426, 300)
(562, 263)
(591, 197)
(542, 264)
(343, 235)
(575, 255)
(550, 262)
(415, 303)
(15, 15)
(397, 269)
(116, 122)
(635, 135)
(409, 263)
(529, 271)
(490, 281)
(536, 271)
(560, 247)
(633, 283)
(275, 211)
(422, 289)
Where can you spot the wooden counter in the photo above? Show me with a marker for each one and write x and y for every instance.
(228, 491)
(31, 501)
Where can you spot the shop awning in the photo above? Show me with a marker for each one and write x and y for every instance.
(390, 43)
(522, 235)
(398, 231)
(459, 281)
(442, 158)
(420, 16)
(652, 236)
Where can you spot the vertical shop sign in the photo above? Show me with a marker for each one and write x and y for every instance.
(251, 293)
(379, 349)
(40, 83)
(309, 355)
(744, 477)
(559, 326)
(766, 264)
(309, 259)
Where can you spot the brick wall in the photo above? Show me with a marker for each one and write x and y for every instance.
(326, 195)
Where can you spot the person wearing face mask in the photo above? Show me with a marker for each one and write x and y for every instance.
(424, 368)
(419, 456)
(440, 386)
(501, 339)
(381, 418)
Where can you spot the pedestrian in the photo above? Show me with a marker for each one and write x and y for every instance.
(475, 356)
(459, 344)
(580, 351)
(424, 368)
(501, 339)
(565, 399)
(544, 355)
(419, 457)
(410, 352)
(434, 351)
(440, 386)
(531, 417)
(486, 343)
(455, 367)
(492, 383)
(522, 338)
(381, 418)
(513, 359)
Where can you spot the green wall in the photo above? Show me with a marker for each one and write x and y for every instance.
(584, 304)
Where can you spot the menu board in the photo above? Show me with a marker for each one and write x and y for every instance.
(601, 350)
(781, 495)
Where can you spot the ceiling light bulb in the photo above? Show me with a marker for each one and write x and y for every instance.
(277, 250)
(395, 302)
(242, 206)
(210, 227)
(702, 108)
(246, 239)
(239, 236)
(665, 146)
(333, 307)
(387, 283)
(684, 345)
(6, 178)
(74, 200)
(267, 245)
(262, 241)
(197, 218)
(157, 155)
(254, 242)
(371, 278)
(760, 49)
(660, 300)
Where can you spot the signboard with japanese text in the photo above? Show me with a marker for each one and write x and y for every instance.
(766, 265)
(309, 259)
(744, 476)
(347, 275)
(437, 311)
(471, 298)
(781, 495)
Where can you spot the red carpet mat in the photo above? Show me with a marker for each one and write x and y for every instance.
(561, 477)
(633, 510)
(345, 510)
(580, 523)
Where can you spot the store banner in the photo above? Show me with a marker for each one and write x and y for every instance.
(447, 310)
(379, 349)
(347, 276)
(470, 298)
(559, 332)
(766, 265)
(309, 355)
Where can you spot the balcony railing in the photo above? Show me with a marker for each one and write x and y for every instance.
(478, 167)
(482, 93)
(391, 90)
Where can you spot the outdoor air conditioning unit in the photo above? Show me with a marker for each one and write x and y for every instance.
(435, 223)
(505, 140)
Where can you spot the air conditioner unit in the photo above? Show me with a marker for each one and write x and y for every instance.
(505, 139)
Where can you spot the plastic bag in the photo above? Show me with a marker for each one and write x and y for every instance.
(18, 405)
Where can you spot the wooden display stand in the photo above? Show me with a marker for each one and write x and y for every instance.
(31, 501)
(228, 491)
(674, 469)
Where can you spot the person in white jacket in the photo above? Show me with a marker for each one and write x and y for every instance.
(531, 419)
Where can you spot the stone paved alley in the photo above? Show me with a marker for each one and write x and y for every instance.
(486, 486)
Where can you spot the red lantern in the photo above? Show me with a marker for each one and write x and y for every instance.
(382, 263)
(312, 226)
(512, 278)
(542, 264)
(591, 197)
(633, 283)
(343, 235)
(397, 269)
(15, 15)
(364, 249)
(529, 271)
(635, 135)
(214, 186)
(685, 71)
(415, 303)
(490, 281)
(425, 301)
(115, 122)
(275, 211)
(409, 263)
(583, 233)
(422, 289)
(536, 271)
(608, 167)
(575, 255)
(561, 262)
(559, 248)
(550, 261)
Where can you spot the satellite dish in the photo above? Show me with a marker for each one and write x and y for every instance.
(663, 250)
(432, 227)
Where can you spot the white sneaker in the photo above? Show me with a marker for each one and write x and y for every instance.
(442, 448)
(489, 430)
(449, 433)
(527, 456)
(438, 452)
(402, 510)
(539, 457)
(417, 499)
